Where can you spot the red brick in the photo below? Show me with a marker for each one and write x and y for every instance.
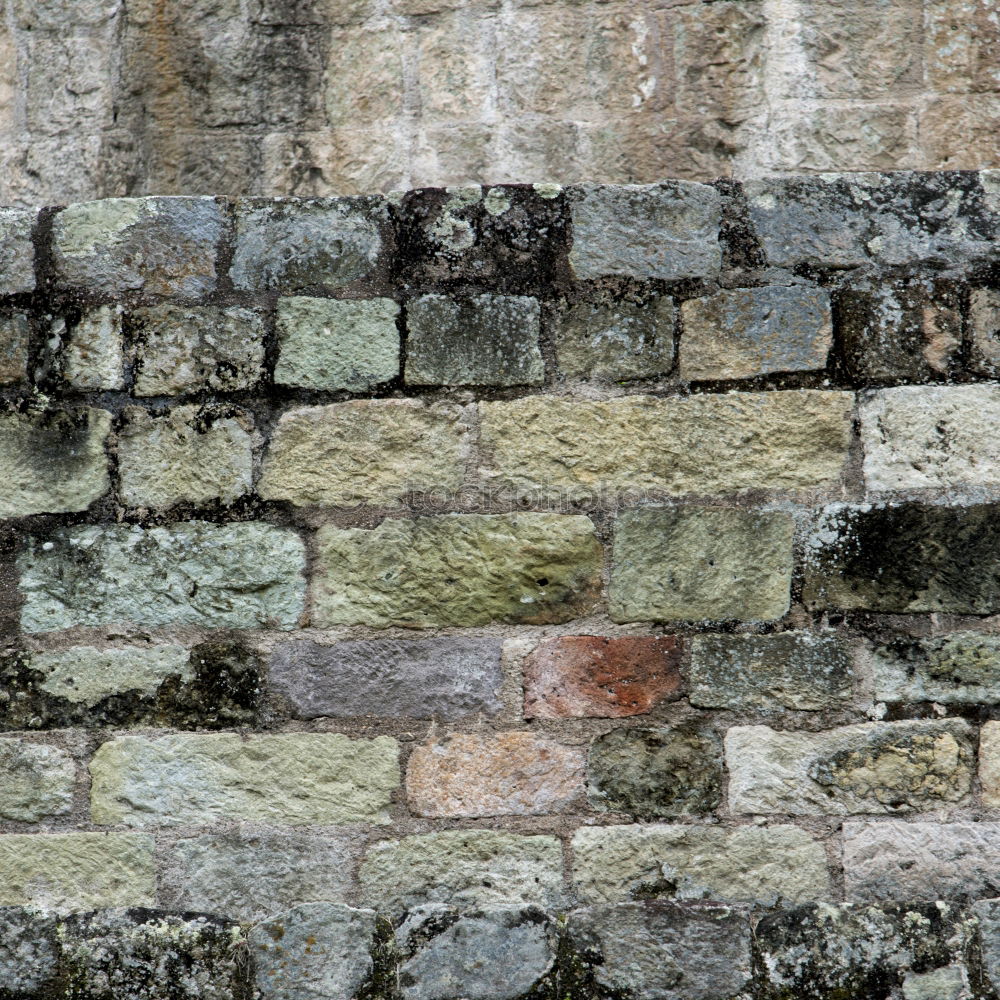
(593, 676)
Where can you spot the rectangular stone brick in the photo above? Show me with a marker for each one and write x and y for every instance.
(286, 779)
(878, 767)
(744, 864)
(546, 446)
(984, 329)
(989, 764)
(742, 332)
(365, 451)
(700, 563)
(457, 569)
(17, 252)
(241, 575)
(93, 358)
(444, 678)
(796, 670)
(76, 871)
(37, 780)
(962, 46)
(14, 336)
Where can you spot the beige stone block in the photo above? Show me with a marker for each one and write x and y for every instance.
(364, 82)
(984, 326)
(960, 133)
(93, 359)
(68, 82)
(989, 764)
(454, 154)
(454, 53)
(962, 47)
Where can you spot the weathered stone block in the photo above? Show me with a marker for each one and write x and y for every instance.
(188, 349)
(161, 246)
(530, 568)
(36, 781)
(984, 328)
(76, 871)
(93, 358)
(987, 912)
(14, 336)
(655, 772)
(462, 867)
(500, 774)
(29, 950)
(17, 253)
(444, 678)
(547, 446)
(482, 340)
(679, 221)
(674, 563)
(365, 451)
(960, 46)
(336, 343)
(288, 779)
(879, 767)
(797, 670)
(592, 676)
(239, 575)
(989, 764)
(744, 864)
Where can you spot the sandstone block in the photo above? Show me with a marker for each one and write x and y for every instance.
(445, 678)
(582, 676)
(17, 253)
(503, 774)
(744, 864)
(76, 871)
(239, 575)
(530, 568)
(336, 343)
(958, 669)
(482, 340)
(93, 358)
(984, 326)
(368, 87)
(673, 563)
(365, 451)
(161, 246)
(546, 446)
(989, 764)
(960, 46)
(797, 670)
(14, 336)
(36, 781)
(879, 767)
(742, 332)
(286, 779)
(52, 461)
(679, 221)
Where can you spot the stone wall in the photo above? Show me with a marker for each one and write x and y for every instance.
(102, 98)
(510, 592)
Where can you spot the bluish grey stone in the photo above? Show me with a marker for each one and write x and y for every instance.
(17, 253)
(29, 951)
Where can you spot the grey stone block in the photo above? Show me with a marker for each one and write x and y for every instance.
(17, 253)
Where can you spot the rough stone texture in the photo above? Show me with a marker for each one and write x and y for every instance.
(989, 764)
(501, 774)
(987, 912)
(463, 867)
(52, 460)
(365, 451)
(547, 446)
(744, 864)
(673, 563)
(616, 340)
(482, 340)
(231, 576)
(250, 875)
(679, 222)
(581, 676)
(654, 773)
(492, 953)
(14, 333)
(190, 349)
(880, 767)
(797, 670)
(29, 951)
(17, 254)
(161, 246)
(667, 951)
(190, 454)
(313, 950)
(958, 669)
(445, 678)
(742, 332)
(984, 329)
(287, 779)
(76, 871)
(926, 437)
(530, 568)
(93, 359)
(36, 781)
(336, 344)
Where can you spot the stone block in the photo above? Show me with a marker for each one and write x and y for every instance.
(984, 329)
(515, 568)
(802, 671)
(445, 678)
(29, 951)
(331, 344)
(14, 339)
(52, 461)
(590, 676)
(989, 764)
(700, 563)
(56, 15)
(160, 246)
(286, 779)
(743, 332)
(744, 864)
(455, 55)
(368, 85)
(958, 132)
(987, 912)
(372, 451)
(500, 774)
(962, 46)
(17, 252)
(878, 767)
(36, 781)
(93, 358)
(481, 340)
(240, 575)
(68, 82)
(679, 221)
